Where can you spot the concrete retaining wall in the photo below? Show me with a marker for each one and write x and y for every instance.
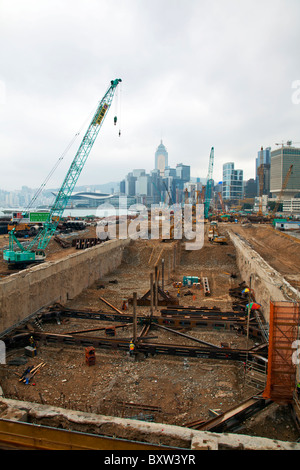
(267, 283)
(130, 429)
(24, 293)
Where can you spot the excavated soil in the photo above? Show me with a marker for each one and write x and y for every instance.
(165, 389)
(279, 249)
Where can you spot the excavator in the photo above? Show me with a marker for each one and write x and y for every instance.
(214, 236)
(19, 255)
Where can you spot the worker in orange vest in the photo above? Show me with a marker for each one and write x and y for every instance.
(131, 348)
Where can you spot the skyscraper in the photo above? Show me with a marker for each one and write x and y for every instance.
(183, 172)
(281, 160)
(263, 159)
(233, 186)
(161, 158)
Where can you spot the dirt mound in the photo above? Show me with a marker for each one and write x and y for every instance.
(278, 249)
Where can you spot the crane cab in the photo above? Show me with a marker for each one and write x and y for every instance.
(23, 258)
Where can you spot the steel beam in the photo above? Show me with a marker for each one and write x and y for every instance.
(146, 348)
(231, 419)
(188, 336)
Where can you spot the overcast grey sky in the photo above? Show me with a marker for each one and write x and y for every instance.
(195, 73)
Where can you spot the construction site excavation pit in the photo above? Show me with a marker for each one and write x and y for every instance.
(191, 344)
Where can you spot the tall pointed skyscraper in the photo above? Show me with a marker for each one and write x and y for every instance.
(161, 158)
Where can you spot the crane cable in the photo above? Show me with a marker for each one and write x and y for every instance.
(120, 108)
(118, 98)
(42, 187)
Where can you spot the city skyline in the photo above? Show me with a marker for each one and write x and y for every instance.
(174, 178)
(142, 182)
(221, 74)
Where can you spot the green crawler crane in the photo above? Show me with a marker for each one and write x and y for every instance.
(17, 254)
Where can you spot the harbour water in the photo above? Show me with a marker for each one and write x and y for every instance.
(75, 213)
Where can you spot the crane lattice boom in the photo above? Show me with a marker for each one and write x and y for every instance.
(35, 251)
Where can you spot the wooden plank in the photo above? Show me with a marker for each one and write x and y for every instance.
(151, 256)
(32, 372)
(111, 306)
(159, 256)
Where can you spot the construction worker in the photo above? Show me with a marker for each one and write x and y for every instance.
(131, 348)
(32, 342)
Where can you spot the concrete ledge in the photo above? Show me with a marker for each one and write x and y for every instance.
(267, 283)
(25, 292)
(134, 430)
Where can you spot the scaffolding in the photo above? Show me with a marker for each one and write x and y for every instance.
(283, 332)
(264, 327)
(256, 374)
